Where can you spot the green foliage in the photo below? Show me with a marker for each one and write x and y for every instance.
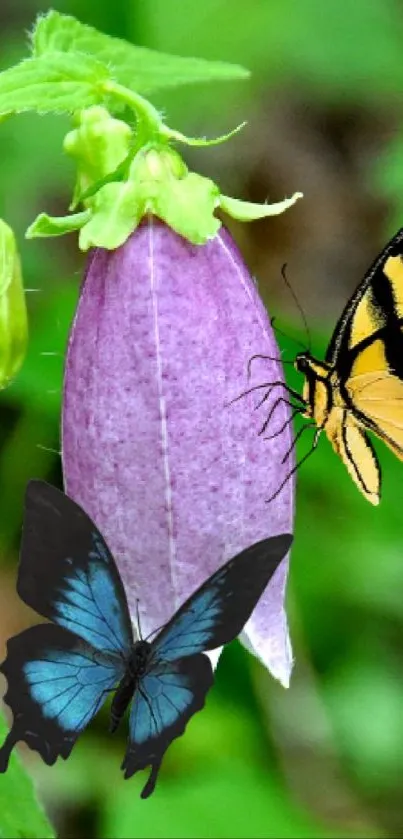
(66, 75)
(140, 69)
(55, 83)
(20, 813)
(232, 801)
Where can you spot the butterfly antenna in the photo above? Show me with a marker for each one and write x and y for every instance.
(297, 466)
(299, 307)
(138, 619)
(154, 631)
(267, 358)
(286, 335)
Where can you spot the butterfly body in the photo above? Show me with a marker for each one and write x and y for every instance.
(136, 667)
(358, 388)
(60, 673)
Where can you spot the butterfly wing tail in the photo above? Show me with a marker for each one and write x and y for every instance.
(6, 749)
(149, 786)
(165, 700)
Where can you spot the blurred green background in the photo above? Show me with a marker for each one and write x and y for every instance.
(325, 116)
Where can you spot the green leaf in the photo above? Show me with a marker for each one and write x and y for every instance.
(54, 83)
(137, 68)
(247, 211)
(45, 225)
(20, 813)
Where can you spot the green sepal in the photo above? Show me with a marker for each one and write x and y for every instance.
(247, 211)
(116, 210)
(13, 310)
(157, 182)
(187, 205)
(201, 142)
(99, 143)
(137, 68)
(44, 225)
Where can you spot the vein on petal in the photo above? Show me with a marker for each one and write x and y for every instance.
(163, 416)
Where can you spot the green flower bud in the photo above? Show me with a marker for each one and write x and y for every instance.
(13, 311)
(98, 144)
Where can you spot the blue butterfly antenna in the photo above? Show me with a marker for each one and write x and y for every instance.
(154, 631)
(138, 619)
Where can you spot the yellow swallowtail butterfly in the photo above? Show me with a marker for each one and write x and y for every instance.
(359, 385)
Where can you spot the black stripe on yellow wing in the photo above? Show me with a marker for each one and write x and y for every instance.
(376, 399)
(353, 446)
(361, 461)
(373, 314)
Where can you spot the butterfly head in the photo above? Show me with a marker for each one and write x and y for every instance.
(303, 362)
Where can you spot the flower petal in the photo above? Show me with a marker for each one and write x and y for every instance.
(175, 477)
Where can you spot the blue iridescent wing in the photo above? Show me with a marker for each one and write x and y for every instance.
(166, 698)
(67, 573)
(217, 612)
(178, 675)
(56, 684)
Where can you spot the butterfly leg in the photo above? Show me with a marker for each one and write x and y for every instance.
(300, 462)
(296, 410)
(269, 386)
(295, 440)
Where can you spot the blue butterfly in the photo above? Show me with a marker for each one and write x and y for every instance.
(60, 673)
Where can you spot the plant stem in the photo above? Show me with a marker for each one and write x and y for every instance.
(148, 119)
